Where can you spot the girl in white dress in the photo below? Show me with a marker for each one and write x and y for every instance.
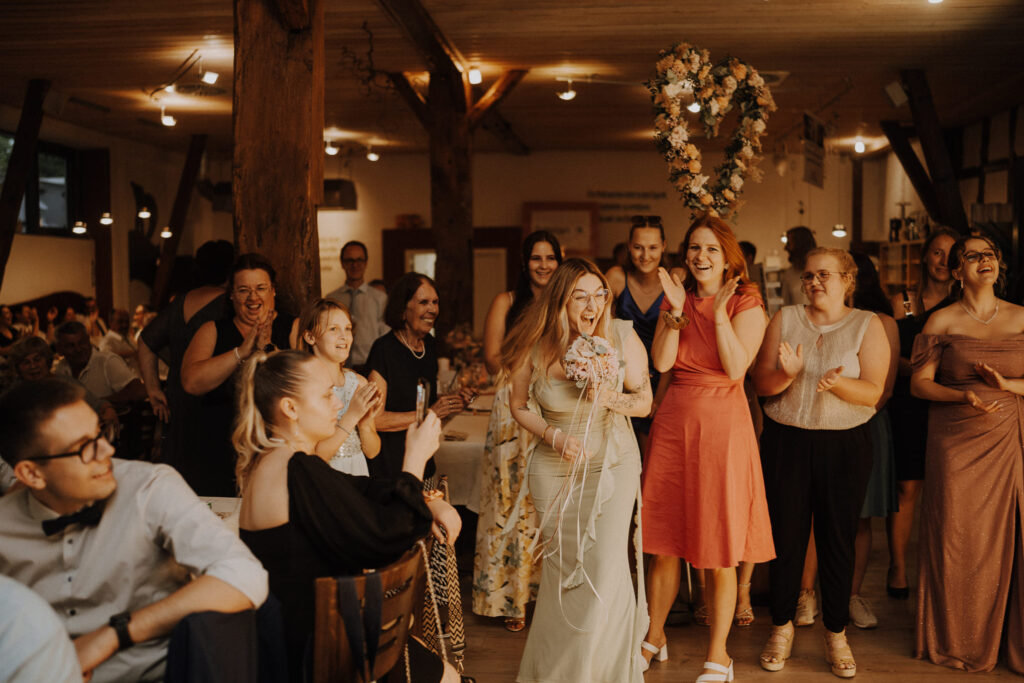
(326, 332)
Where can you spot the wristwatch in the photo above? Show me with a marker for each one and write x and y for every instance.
(119, 622)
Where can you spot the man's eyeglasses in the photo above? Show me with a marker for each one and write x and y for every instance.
(976, 256)
(822, 275)
(109, 431)
(599, 297)
(646, 220)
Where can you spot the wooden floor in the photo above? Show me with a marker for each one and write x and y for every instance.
(883, 654)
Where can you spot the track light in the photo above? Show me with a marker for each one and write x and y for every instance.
(79, 228)
(144, 213)
(169, 88)
(568, 93)
(784, 239)
(839, 230)
(371, 155)
(693, 107)
(210, 77)
(106, 219)
(858, 145)
(475, 77)
(166, 233)
(166, 118)
(330, 149)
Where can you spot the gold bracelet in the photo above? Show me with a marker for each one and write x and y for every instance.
(674, 322)
(432, 495)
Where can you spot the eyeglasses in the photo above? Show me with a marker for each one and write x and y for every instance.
(822, 275)
(645, 220)
(109, 432)
(352, 261)
(244, 292)
(976, 256)
(583, 298)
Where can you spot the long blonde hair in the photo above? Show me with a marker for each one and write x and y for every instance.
(543, 328)
(263, 381)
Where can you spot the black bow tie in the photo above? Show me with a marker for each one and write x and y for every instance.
(87, 516)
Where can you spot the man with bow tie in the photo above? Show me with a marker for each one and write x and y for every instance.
(122, 550)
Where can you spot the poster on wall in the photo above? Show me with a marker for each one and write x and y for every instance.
(573, 223)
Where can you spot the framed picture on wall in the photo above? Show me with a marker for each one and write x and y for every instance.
(573, 223)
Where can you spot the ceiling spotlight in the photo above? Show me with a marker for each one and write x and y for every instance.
(934, 2)
(858, 145)
(210, 77)
(568, 93)
(144, 213)
(79, 228)
(784, 239)
(166, 118)
(475, 77)
(106, 219)
(839, 230)
(693, 107)
(371, 155)
(165, 233)
(169, 88)
(330, 149)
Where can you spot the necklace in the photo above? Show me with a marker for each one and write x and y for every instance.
(983, 322)
(417, 356)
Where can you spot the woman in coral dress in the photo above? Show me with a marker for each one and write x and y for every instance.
(703, 492)
(969, 362)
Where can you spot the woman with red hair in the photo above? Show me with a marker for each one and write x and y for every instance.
(703, 494)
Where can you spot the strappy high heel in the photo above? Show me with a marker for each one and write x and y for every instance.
(660, 653)
(778, 648)
(722, 673)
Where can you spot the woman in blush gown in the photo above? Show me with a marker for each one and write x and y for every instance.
(584, 477)
(969, 361)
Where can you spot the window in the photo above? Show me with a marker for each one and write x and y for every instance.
(44, 208)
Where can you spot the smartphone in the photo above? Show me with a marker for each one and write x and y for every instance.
(422, 393)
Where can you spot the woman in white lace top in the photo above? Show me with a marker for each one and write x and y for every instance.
(326, 332)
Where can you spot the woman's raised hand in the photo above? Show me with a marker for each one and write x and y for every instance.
(829, 379)
(725, 293)
(364, 400)
(422, 440)
(791, 362)
(972, 398)
(675, 294)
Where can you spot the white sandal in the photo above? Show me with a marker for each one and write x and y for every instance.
(725, 673)
(660, 653)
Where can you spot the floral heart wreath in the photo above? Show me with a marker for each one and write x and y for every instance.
(717, 88)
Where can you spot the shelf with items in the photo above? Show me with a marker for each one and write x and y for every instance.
(900, 265)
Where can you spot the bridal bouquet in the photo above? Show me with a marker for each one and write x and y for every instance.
(591, 360)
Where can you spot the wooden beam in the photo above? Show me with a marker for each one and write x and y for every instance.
(179, 212)
(857, 208)
(494, 95)
(92, 178)
(495, 123)
(294, 14)
(922, 184)
(929, 132)
(19, 165)
(435, 49)
(277, 174)
(412, 97)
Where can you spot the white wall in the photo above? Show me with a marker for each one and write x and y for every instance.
(41, 265)
(399, 184)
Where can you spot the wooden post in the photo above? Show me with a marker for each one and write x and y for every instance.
(278, 168)
(92, 176)
(857, 208)
(20, 165)
(929, 132)
(169, 249)
(919, 179)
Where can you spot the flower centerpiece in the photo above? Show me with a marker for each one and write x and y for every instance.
(591, 360)
(467, 358)
(684, 70)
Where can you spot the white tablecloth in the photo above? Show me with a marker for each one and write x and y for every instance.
(461, 460)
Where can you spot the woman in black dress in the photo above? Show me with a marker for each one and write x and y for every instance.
(398, 360)
(213, 356)
(303, 519)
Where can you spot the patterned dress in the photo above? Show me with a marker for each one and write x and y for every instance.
(505, 576)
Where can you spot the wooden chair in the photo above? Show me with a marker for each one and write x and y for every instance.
(381, 605)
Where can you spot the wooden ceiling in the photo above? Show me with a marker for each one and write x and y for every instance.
(104, 56)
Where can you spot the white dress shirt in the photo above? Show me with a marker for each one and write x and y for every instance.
(366, 304)
(153, 535)
(34, 646)
(104, 374)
